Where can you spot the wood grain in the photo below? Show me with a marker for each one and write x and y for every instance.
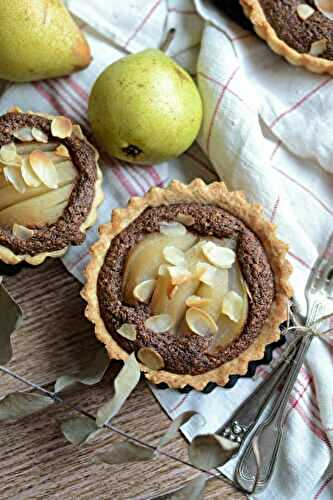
(36, 461)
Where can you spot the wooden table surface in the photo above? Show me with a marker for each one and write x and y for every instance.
(36, 461)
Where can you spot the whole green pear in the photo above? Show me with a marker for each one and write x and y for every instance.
(39, 39)
(145, 108)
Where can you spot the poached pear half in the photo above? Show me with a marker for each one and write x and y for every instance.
(145, 108)
(39, 39)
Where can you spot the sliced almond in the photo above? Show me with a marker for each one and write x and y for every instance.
(159, 324)
(144, 290)
(62, 151)
(128, 331)
(44, 168)
(206, 273)
(196, 301)
(179, 275)
(61, 127)
(172, 229)
(232, 306)
(77, 131)
(8, 153)
(221, 257)
(24, 134)
(39, 135)
(14, 109)
(304, 11)
(150, 358)
(325, 7)
(318, 48)
(174, 255)
(29, 176)
(200, 322)
(172, 291)
(22, 232)
(14, 176)
(163, 270)
(185, 219)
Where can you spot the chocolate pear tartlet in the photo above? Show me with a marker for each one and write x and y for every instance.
(300, 31)
(193, 279)
(50, 186)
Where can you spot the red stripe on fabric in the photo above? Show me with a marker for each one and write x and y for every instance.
(275, 208)
(299, 259)
(275, 149)
(218, 104)
(179, 404)
(83, 105)
(154, 174)
(295, 401)
(121, 175)
(300, 102)
(322, 488)
(220, 84)
(54, 88)
(313, 427)
(49, 98)
(306, 189)
(143, 22)
(77, 87)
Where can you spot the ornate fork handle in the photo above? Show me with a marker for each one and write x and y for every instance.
(270, 432)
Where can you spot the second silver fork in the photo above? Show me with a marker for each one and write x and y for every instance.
(270, 432)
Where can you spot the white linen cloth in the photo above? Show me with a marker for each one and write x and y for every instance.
(267, 131)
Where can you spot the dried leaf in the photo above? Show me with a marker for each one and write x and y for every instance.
(21, 404)
(11, 318)
(90, 375)
(125, 382)
(208, 451)
(182, 419)
(77, 430)
(192, 490)
(127, 452)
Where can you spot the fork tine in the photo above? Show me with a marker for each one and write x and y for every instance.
(320, 264)
(328, 267)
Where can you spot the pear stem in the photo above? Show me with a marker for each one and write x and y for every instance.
(168, 40)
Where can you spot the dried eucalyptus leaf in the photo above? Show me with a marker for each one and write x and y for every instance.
(90, 375)
(192, 490)
(10, 320)
(125, 382)
(208, 451)
(77, 430)
(21, 404)
(123, 453)
(175, 425)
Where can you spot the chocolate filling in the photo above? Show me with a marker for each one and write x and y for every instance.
(66, 231)
(188, 354)
(299, 34)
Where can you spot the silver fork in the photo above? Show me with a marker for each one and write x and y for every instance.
(270, 432)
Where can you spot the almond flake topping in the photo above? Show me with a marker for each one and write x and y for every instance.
(14, 109)
(61, 127)
(318, 48)
(206, 273)
(160, 323)
(22, 232)
(200, 322)
(179, 275)
(77, 131)
(172, 229)
(44, 168)
(29, 176)
(174, 255)
(232, 306)
(150, 358)
(128, 331)
(8, 153)
(196, 301)
(325, 7)
(62, 151)
(39, 135)
(304, 11)
(144, 290)
(14, 176)
(185, 219)
(163, 270)
(24, 134)
(221, 257)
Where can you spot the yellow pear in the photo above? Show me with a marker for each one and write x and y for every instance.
(145, 108)
(39, 39)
